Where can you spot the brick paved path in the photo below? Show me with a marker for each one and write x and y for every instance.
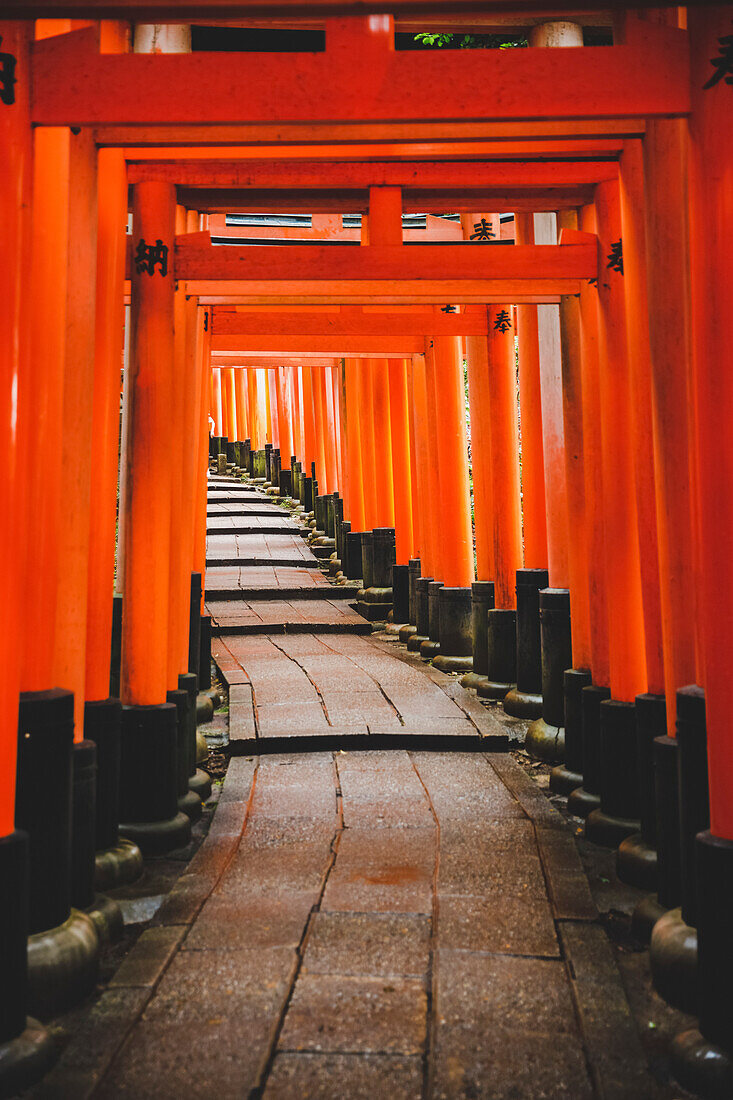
(383, 923)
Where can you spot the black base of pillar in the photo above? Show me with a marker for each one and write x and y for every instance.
(83, 801)
(401, 593)
(618, 816)
(545, 742)
(414, 642)
(673, 961)
(204, 709)
(455, 621)
(63, 965)
(493, 689)
(645, 916)
(608, 831)
(701, 1067)
(582, 802)
(445, 662)
(473, 680)
(522, 704)
(107, 917)
(148, 775)
(118, 866)
(429, 649)
(25, 1059)
(636, 863)
(200, 784)
(564, 781)
(204, 668)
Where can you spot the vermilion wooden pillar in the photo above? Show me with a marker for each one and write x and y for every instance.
(330, 428)
(432, 477)
(321, 425)
(530, 404)
(204, 372)
(309, 421)
(283, 416)
(422, 503)
(479, 405)
(225, 409)
(414, 490)
(217, 410)
(631, 193)
(368, 456)
(454, 511)
(401, 464)
(110, 312)
(231, 392)
(667, 263)
(44, 399)
(15, 423)
(504, 455)
(627, 658)
(355, 477)
(336, 388)
(272, 417)
(385, 516)
(254, 408)
(179, 568)
(240, 382)
(295, 389)
(145, 607)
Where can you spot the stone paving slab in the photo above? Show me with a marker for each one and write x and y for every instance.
(338, 1076)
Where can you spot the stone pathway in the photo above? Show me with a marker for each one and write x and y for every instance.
(394, 922)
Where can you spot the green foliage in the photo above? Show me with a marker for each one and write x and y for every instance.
(470, 41)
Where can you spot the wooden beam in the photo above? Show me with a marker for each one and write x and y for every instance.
(275, 361)
(385, 292)
(374, 344)
(459, 174)
(427, 322)
(73, 84)
(196, 258)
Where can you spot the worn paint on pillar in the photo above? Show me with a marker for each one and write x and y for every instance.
(401, 466)
(15, 295)
(147, 531)
(633, 236)
(711, 169)
(627, 660)
(110, 315)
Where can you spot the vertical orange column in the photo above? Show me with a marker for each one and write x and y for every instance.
(574, 435)
(329, 428)
(147, 531)
(203, 366)
(336, 374)
(382, 444)
(242, 405)
(319, 416)
(272, 417)
(225, 410)
(366, 428)
(631, 180)
(41, 398)
(455, 503)
(431, 476)
(295, 384)
(179, 568)
(283, 416)
(623, 579)
(355, 475)
(254, 408)
(534, 519)
(110, 314)
(479, 400)
(593, 472)
(711, 169)
(218, 408)
(414, 490)
(502, 430)
(667, 237)
(309, 420)
(231, 392)
(15, 291)
(401, 468)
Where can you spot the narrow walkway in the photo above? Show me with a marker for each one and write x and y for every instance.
(390, 921)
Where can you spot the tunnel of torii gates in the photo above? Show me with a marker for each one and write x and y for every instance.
(593, 593)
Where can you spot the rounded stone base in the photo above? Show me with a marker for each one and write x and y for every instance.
(673, 961)
(415, 641)
(582, 802)
(406, 632)
(190, 805)
(473, 681)
(563, 781)
(200, 784)
(156, 838)
(107, 917)
(429, 649)
(202, 747)
(445, 663)
(701, 1067)
(394, 628)
(636, 863)
(63, 965)
(25, 1059)
(523, 704)
(645, 916)
(118, 866)
(608, 831)
(493, 689)
(204, 709)
(545, 742)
